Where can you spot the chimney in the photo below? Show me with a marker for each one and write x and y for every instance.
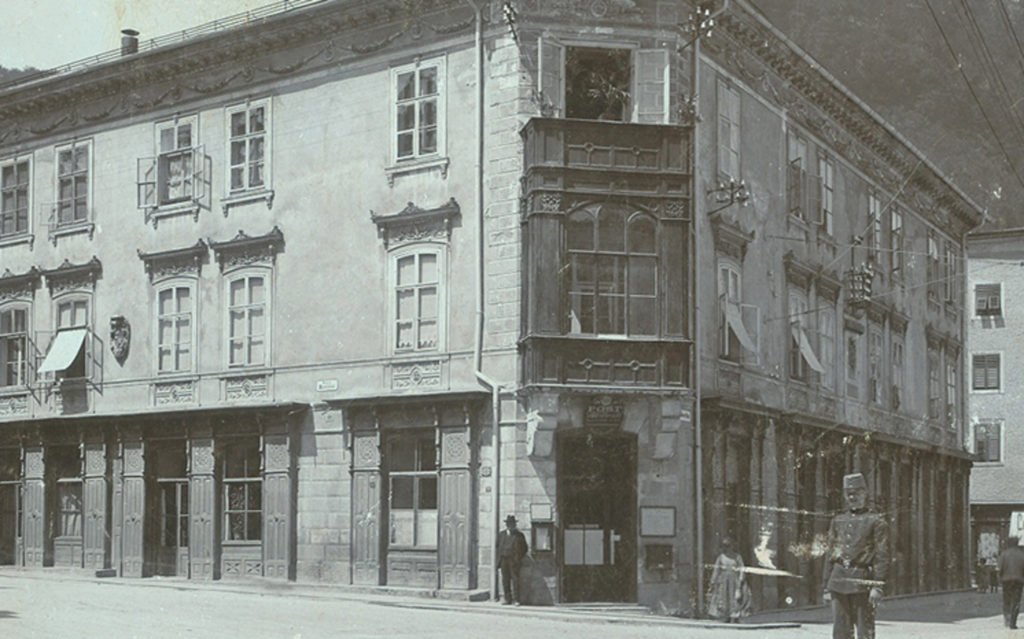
(129, 41)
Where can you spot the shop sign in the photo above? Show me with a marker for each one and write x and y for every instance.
(604, 411)
(1017, 524)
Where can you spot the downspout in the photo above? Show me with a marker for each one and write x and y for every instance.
(478, 335)
(698, 425)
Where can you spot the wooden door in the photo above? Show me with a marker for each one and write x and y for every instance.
(202, 505)
(34, 522)
(454, 502)
(133, 509)
(94, 508)
(366, 509)
(277, 506)
(8, 522)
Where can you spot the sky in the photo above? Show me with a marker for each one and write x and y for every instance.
(48, 33)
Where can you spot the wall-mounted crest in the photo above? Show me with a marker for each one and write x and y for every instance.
(120, 338)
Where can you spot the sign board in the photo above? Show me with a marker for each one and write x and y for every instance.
(1017, 524)
(325, 385)
(604, 411)
(657, 521)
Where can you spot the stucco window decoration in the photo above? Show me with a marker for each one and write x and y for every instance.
(415, 224)
(186, 261)
(248, 250)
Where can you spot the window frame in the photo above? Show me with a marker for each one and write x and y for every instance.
(14, 161)
(876, 369)
(247, 273)
(173, 284)
(827, 175)
(247, 481)
(440, 64)
(728, 340)
(999, 373)
(897, 235)
(26, 362)
(874, 239)
(952, 388)
(897, 368)
(799, 313)
(72, 298)
(440, 252)
(267, 134)
(852, 366)
(730, 113)
(417, 436)
(988, 422)
(161, 187)
(71, 146)
(999, 296)
(826, 317)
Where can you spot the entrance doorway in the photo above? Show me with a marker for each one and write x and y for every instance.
(597, 473)
(167, 511)
(10, 507)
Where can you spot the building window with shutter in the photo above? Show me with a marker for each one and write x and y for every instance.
(988, 441)
(728, 132)
(896, 239)
(827, 175)
(897, 372)
(827, 342)
(988, 300)
(985, 373)
(797, 181)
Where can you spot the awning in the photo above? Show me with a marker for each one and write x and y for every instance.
(63, 351)
(806, 349)
(732, 315)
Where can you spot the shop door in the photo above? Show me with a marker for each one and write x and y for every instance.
(597, 506)
(9, 518)
(172, 549)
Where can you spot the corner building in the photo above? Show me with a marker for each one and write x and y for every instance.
(321, 292)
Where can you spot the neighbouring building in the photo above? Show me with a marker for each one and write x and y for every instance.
(994, 262)
(324, 290)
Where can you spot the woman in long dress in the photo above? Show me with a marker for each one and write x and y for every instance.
(728, 600)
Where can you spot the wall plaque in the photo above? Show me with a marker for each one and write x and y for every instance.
(657, 521)
(604, 411)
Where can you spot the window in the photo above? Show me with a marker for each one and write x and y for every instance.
(874, 238)
(896, 238)
(418, 109)
(73, 168)
(175, 324)
(176, 162)
(728, 131)
(827, 343)
(13, 347)
(951, 272)
(603, 83)
(613, 271)
(988, 440)
(412, 496)
(934, 384)
(72, 314)
(739, 324)
(852, 364)
(14, 196)
(247, 320)
(985, 373)
(988, 300)
(802, 358)
(875, 366)
(68, 477)
(243, 492)
(417, 301)
(827, 173)
(933, 266)
(951, 388)
(247, 146)
(797, 180)
(897, 372)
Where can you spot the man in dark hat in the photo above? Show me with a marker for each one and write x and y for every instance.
(511, 550)
(1011, 573)
(856, 563)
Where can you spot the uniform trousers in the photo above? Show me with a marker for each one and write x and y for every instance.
(850, 610)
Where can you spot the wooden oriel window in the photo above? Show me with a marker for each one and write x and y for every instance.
(613, 271)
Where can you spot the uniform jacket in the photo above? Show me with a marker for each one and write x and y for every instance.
(512, 546)
(1011, 564)
(857, 553)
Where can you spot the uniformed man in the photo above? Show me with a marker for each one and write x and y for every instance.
(856, 563)
(511, 550)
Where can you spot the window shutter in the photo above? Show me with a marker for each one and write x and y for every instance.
(145, 179)
(751, 316)
(814, 200)
(651, 86)
(793, 191)
(551, 76)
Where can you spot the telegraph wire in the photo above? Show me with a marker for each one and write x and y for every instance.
(1008, 24)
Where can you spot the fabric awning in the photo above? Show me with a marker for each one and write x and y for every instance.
(732, 315)
(63, 351)
(806, 349)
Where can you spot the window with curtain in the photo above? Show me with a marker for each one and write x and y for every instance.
(612, 271)
(417, 281)
(247, 320)
(988, 440)
(175, 310)
(247, 146)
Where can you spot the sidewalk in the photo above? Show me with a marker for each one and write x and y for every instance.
(408, 598)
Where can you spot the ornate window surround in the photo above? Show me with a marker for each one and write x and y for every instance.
(415, 224)
(440, 251)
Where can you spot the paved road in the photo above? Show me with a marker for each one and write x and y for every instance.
(54, 606)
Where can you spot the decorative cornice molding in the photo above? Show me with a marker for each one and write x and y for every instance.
(730, 238)
(245, 250)
(415, 224)
(898, 321)
(69, 277)
(829, 285)
(752, 49)
(183, 261)
(797, 271)
(21, 286)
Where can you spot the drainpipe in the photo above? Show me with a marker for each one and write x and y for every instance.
(698, 427)
(478, 336)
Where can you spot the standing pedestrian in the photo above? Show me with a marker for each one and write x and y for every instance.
(511, 550)
(981, 574)
(856, 563)
(992, 563)
(729, 599)
(1011, 572)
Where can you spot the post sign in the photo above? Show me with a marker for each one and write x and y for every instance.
(604, 411)
(1017, 524)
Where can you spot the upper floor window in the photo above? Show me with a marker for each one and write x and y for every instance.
(72, 320)
(418, 109)
(802, 358)
(985, 371)
(827, 174)
(179, 173)
(827, 342)
(934, 383)
(875, 366)
(603, 83)
(613, 271)
(853, 365)
(897, 371)
(951, 273)
(874, 239)
(13, 347)
(933, 271)
(248, 300)
(248, 142)
(417, 310)
(728, 131)
(896, 239)
(175, 328)
(14, 198)
(952, 405)
(988, 440)
(988, 300)
(739, 322)
(74, 163)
